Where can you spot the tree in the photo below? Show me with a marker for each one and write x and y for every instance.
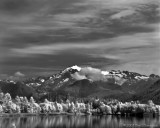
(32, 100)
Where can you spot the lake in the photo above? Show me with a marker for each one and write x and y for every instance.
(64, 121)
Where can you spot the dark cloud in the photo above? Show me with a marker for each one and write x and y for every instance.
(14, 6)
(48, 35)
(44, 63)
(19, 7)
(149, 12)
(56, 24)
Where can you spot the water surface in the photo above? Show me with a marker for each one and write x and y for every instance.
(64, 121)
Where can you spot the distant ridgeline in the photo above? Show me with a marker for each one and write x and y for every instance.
(87, 82)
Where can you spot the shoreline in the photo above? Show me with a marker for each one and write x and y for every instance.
(72, 114)
(39, 114)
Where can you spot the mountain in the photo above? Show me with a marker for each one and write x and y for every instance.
(86, 82)
(152, 93)
(17, 88)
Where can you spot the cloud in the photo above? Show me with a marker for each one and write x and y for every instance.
(49, 49)
(139, 66)
(120, 3)
(78, 76)
(122, 14)
(90, 73)
(67, 25)
(19, 74)
(102, 53)
(128, 41)
(16, 76)
(98, 33)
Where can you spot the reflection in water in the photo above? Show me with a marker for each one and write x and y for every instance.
(61, 121)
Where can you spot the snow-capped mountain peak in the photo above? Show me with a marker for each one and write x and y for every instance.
(72, 68)
(76, 67)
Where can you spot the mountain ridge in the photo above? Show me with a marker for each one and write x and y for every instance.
(87, 82)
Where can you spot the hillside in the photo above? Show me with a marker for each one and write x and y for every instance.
(17, 88)
(152, 92)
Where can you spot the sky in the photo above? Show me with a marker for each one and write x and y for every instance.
(41, 37)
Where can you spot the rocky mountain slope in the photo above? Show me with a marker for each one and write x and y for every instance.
(87, 82)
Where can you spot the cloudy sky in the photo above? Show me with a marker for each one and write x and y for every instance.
(39, 37)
